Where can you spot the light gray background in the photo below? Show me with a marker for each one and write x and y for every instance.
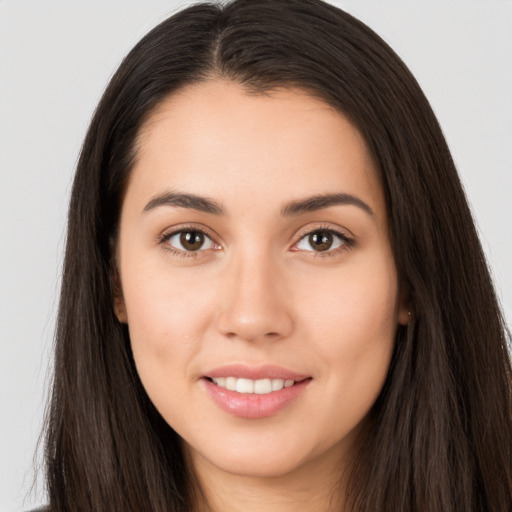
(56, 58)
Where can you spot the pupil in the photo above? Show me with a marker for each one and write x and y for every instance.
(321, 240)
(192, 240)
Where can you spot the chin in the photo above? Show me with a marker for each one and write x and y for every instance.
(267, 454)
(261, 465)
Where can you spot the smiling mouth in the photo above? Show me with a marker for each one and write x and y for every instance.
(250, 386)
(254, 392)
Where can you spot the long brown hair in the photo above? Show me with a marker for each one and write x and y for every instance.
(439, 436)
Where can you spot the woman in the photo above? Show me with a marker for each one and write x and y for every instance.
(274, 295)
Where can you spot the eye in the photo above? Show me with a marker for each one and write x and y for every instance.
(323, 240)
(189, 240)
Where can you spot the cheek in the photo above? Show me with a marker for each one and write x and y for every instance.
(354, 336)
(358, 303)
(166, 319)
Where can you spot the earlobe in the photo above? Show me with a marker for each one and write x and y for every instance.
(119, 305)
(405, 311)
(404, 316)
(120, 310)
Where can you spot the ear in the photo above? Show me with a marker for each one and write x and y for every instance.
(404, 316)
(119, 305)
(404, 309)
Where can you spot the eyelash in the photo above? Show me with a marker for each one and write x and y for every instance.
(347, 242)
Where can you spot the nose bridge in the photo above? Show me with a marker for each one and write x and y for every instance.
(253, 302)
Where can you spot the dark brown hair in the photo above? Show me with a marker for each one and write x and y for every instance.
(439, 436)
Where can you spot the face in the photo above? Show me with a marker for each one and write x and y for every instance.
(257, 277)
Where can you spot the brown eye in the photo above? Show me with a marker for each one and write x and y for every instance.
(321, 240)
(189, 241)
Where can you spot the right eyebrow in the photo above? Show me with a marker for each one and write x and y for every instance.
(181, 200)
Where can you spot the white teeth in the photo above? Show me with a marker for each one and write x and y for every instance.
(230, 383)
(221, 381)
(245, 386)
(260, 387)
(263, 386)
(277, 384)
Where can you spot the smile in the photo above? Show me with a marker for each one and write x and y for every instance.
(254, 392)
(259, 387)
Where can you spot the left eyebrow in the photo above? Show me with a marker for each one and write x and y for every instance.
(320, 201)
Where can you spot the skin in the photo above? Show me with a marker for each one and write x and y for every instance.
(259, 292)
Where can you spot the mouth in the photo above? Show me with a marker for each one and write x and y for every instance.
(254, 392)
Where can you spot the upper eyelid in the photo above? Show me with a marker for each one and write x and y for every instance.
(338, 230)
(168, 232)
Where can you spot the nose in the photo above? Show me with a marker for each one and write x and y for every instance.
(254, 301)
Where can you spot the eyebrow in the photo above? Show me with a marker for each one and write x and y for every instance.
(193, 201)
(321, 201)
(297, 207)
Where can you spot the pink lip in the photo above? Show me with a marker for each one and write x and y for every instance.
(255, 372)
(252, 405)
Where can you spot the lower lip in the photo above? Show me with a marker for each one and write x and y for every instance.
(252, 405)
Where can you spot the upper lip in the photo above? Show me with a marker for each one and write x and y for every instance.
(255, 372)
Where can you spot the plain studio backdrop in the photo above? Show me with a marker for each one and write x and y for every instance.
(55, 60)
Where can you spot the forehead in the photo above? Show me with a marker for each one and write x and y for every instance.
(215, 138)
